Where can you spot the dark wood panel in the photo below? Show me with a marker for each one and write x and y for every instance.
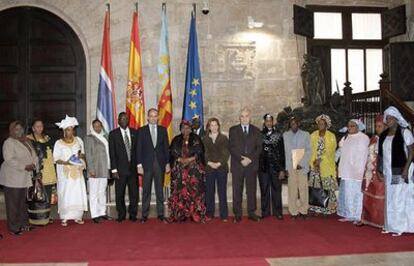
(10, 107)
(42, 29)
(53, 83)
(9, 55)
(303, 21)
(55, 111)
(393, 22)
(402, 70)
(9, 86)
(10, 28)
(51, 55)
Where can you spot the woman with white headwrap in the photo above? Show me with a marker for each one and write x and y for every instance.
(97, 158)
(395, 154)
(354, 155)
(68, 155)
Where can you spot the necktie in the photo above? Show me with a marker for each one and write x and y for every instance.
(245, 134)
(127, 146)
(153, 136)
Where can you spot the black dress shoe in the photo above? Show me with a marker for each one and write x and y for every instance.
(120, 219)
(254, 218)
(304, 216)
(133, 219)
(96, 220)
(279, 216)
(294, 217)
(161, 218)
(144, 220)
(106, 217)
(17, 233)
(236, 220)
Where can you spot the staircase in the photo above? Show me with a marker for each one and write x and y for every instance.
(369, 104)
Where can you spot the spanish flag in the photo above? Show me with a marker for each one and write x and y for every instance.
(135, 105)
(165, 100)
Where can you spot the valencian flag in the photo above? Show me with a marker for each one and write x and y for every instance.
(193, 98)
(106, 106)
(135, 106)
(165, 101)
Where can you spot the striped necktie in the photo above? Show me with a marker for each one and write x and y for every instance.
(127, 145)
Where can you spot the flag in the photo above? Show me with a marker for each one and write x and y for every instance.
(135, 105)
(193, 97)
(106, 106)
(165, 100)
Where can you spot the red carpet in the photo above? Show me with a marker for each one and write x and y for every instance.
(153, 243)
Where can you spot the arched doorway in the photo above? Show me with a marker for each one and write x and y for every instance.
(42, 70)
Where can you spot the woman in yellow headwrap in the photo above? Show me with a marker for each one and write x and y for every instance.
(322, 163)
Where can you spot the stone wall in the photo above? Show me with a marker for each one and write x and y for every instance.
(240, 67)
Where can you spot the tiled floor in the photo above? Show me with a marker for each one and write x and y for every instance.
(375, 259)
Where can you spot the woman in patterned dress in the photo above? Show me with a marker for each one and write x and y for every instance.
(373, 186)
(187, 200)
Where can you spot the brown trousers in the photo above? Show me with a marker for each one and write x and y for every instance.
(16, 208)
(298, 192)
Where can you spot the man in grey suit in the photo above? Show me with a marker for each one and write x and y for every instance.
(152, 162)
(245, 143)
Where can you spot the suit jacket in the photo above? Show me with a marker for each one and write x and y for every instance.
(249, 146)
(217, 152)
(118, 154)
(146, 152)
(201, 133)
(16, 157)
(96, 158)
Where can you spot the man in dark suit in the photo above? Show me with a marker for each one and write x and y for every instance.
(245, 144)
(152, 159)
(198, 128)
(122, 144)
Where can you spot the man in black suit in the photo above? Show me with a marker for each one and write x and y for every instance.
(245, 142)
(152, 159)
(122, 144)
(198, 128)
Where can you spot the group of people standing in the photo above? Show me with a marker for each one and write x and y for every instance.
(376, 176)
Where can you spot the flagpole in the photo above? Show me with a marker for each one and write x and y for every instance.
(136, 6)
(195, 10)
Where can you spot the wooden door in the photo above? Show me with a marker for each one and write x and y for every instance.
(42, 70)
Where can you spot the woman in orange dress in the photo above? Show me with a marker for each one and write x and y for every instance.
(373, 187)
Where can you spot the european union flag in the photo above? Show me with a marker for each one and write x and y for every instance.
(193, 98)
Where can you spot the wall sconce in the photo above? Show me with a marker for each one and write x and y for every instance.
(253, 24)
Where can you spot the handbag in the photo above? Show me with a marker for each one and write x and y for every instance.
(36, 192)
(54, 196)
(318, 196)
